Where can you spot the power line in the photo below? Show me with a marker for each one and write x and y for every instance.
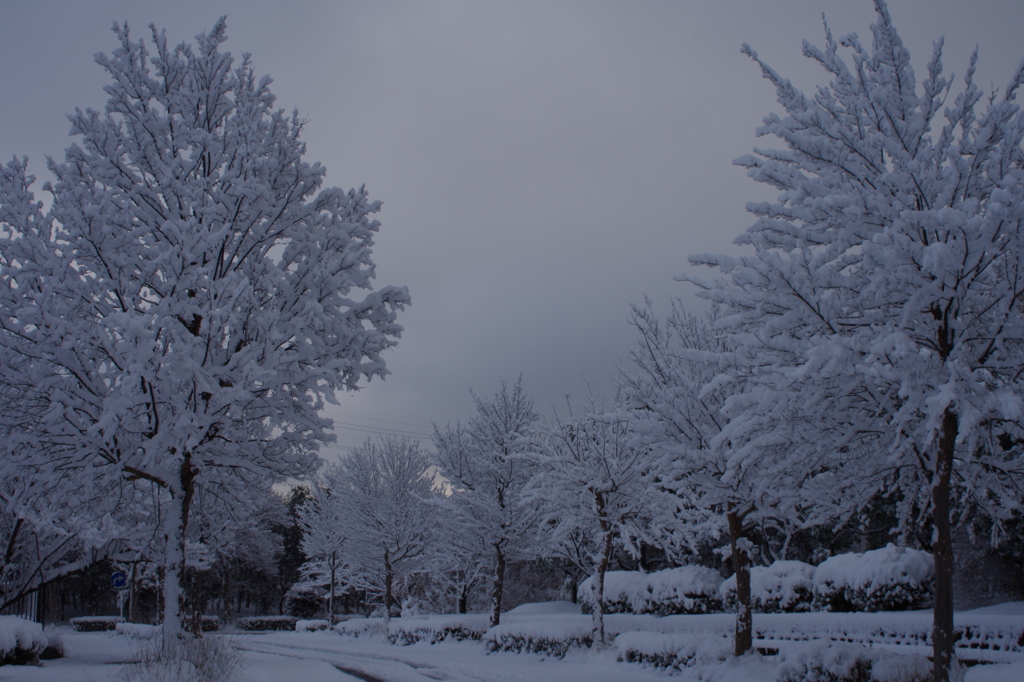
(374, 419)
(382, 431)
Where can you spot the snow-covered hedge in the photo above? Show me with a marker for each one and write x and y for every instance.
(262, 623)
(437, 629)
(888, 579)
(209, 623)
(688, 589)
(21, 641)
(553, 638)
(671, 651)
(95, 623)
(311, 625)
(839, 662)
(361, 627)
(619, 588)
(783, 587)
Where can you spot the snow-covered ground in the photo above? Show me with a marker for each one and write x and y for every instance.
(330, 657)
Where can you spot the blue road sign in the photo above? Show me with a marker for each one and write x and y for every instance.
(119, 580)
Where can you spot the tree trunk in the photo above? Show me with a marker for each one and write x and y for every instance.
(744, 639)
(389, 578)
(330, 597)
(602, 569)
(175, 525)
(463, 598)
(132, 594)
(499, 584)
(943, 636)
(226, 591)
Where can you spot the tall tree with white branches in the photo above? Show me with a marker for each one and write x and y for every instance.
(192, 297)
(884, 295)
(486, 464)
(375, 513)
(592, 482)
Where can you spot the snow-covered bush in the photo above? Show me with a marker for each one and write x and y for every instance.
(138, 630)
(671, 651)
(21, 641)
(210, 623)
(311, 625)
(783, 587)
(840, 662)
(619, 587)
(95, 623)
(549, 639)
(888, 579)
(687, 589)
(362, 627)
(203, 659)
(434, 630)
(260, 623)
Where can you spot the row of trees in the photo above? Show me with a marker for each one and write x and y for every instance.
(172, 323)
(868, 349)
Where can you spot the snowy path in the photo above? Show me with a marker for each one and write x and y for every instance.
(377, 661)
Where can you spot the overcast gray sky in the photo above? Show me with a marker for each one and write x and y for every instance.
(542, 164)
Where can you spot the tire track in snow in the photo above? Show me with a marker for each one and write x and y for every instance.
(367, 667)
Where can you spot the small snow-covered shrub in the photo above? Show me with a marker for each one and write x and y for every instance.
(619, 587)
(687, 589)
(263, 623)
(840, 662)
(548, 639)
(138, 630)
(203, 659)
(21, 641)
(783, 587)
(888, 579)
(671, 651)
(311, 625)
(95, 623)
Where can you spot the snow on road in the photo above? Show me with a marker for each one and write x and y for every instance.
(375, 660)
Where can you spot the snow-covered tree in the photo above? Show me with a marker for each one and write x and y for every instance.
(325, 534)
(457, 561)
(374, 513)
(191, 298)
(884, 295)
(485, 463)
(592, 486)
(714, 481)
